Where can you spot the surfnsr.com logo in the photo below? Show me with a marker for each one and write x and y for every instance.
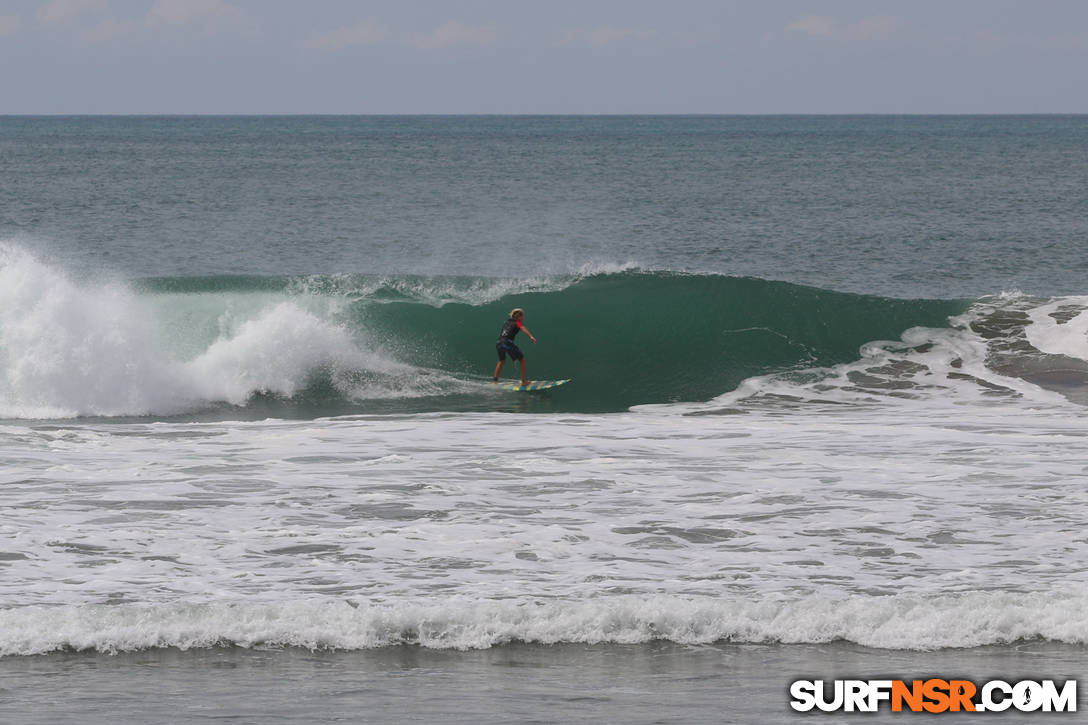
(933, 695)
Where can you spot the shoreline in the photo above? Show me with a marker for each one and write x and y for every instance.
(655, 682)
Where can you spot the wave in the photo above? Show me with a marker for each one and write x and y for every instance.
(71, 348)
(324, 345)
(897, 622)
(636, 337)
(1010, 347)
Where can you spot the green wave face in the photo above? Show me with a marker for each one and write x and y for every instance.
(636, 338)
(339, 344)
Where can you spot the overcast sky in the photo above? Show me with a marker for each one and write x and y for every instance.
(544, 56)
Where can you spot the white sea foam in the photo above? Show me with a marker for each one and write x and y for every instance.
(278, 350)
(431, 290)
(592, 269)
(856, 504)
(934, 366)
(70, 348)
(67, 349)
(1060, 327)
(896, 622)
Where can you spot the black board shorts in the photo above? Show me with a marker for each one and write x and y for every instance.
(505, 347)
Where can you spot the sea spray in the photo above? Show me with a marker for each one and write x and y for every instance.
(894, 622)
(71, 348)
(68, 349)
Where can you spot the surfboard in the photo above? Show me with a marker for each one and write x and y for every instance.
(536, 385)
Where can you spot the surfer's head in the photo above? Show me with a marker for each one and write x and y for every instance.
(517, 313)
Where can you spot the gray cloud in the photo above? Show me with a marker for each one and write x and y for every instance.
(367, 32)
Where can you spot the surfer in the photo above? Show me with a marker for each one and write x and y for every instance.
(505, 346)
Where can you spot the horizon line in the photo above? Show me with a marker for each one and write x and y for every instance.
(697, 114)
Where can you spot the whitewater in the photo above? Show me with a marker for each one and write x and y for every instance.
(759, 526)
(872, 501)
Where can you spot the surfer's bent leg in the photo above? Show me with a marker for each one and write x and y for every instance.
(505, 348)
(499, 348)
(516, 354)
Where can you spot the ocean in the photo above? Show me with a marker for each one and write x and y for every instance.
(825, 418)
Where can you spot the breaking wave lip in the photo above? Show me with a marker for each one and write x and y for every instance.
(71, 348)
(434, 290)
(915, 622)
(438, 291)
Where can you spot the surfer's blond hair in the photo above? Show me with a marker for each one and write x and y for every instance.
(517, 311)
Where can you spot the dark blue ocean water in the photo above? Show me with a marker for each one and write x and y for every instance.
(917, 206)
